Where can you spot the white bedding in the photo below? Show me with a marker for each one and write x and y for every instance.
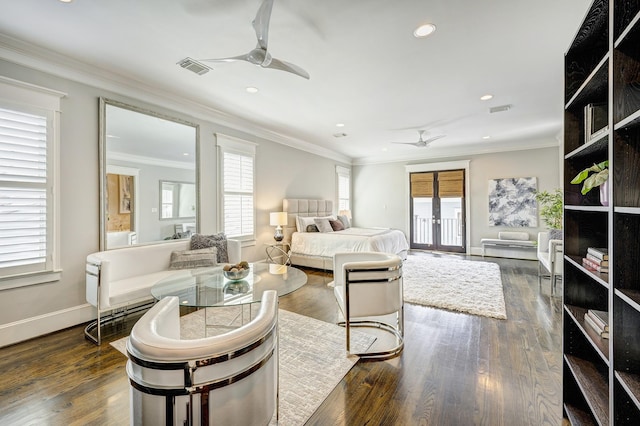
(326, 244)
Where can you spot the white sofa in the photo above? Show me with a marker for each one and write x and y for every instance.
(124, 277)
(511, 244)
(550, 259)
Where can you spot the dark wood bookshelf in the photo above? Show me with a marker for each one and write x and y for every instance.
(602, 376)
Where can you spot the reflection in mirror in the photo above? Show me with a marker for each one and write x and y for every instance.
(178, 200)
(138, 149)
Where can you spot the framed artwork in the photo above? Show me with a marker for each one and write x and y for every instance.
(125, 185)
(512, 202)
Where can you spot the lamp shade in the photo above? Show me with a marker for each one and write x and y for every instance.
(278, 218)
(346, 213)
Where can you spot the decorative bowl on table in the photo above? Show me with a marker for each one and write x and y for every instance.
(236, 272)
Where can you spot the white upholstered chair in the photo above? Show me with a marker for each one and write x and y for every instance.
(229, 379)
(368, 289)
(550, 259)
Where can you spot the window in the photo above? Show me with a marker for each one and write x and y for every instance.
(237, 182)
(29, 118)
(344, 188)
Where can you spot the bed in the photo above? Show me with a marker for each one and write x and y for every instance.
(316, 249)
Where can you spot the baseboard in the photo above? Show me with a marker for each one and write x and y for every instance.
(29, 328)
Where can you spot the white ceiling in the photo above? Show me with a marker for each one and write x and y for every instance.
(367, 70)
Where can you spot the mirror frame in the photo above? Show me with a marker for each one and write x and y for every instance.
(102, 160)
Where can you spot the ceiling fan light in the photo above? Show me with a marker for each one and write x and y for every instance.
(486, 97)
(252, 89)
(424, 30)
(339, 124)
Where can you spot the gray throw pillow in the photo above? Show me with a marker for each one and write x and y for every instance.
(219, 241)
(323, 225)
(345, 221)
(188, 259)
(312, 228)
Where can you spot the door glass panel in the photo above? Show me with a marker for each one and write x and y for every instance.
(451, 225)
(422, 214)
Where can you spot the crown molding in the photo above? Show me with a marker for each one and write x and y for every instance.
(139, 159)
(44, 60)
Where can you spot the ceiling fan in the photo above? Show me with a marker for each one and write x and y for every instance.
(260, 55)
(422, 143)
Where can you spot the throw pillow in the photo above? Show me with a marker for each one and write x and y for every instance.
(323, 225)
(219, 241)
(312, 228)
(188, 259)
(345, 221)
(336, 225)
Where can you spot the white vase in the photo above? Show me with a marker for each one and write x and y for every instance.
(604, 193)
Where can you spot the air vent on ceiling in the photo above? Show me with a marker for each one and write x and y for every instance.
(339, 135)
(195, 66)
(500, 108)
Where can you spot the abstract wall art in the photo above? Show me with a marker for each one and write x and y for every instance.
(512, 202)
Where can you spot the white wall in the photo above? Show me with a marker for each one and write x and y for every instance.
(381, 191)
(281, 172)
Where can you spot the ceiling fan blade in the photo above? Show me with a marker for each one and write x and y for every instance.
(409, 143)
(433, 138)
(286, 66)
(231, 59)
(261, 23)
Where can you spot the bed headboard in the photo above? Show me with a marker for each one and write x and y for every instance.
(295, 207)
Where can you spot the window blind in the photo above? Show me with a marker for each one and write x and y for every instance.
(343, 192)
(238, 194)
(23, 189)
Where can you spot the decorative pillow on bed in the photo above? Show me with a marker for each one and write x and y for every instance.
(312, 228)
(323, 225)
(345, 221)
(302, 222)
(187, 259)
(219, 241)
(336, 225)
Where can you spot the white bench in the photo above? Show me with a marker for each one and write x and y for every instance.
(510, 244)
(124, 277)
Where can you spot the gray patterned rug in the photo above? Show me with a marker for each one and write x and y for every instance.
(313, 358)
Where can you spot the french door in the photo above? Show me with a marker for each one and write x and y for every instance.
(438, 211)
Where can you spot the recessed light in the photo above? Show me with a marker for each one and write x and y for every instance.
(385, 149)
(252, 89)
(340, 125)
(424, 30)
(486, 137)
(66, 1)
(186, 154)
(486, 97)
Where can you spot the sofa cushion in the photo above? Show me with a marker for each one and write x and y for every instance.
(187, 259)
(130, 290)
(512, 235)
(219, 241)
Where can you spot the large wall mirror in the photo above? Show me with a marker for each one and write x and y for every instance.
(148, 176)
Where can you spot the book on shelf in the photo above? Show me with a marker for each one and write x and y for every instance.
(601, 318)
(597, 260)
(600, 253)
(593, 266)
(588, 320)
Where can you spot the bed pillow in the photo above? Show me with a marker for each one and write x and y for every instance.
(219, 241)
(336, 225)
(187, 259)
(323, 225)
(345, 221)
(303, 221)
(312, 228)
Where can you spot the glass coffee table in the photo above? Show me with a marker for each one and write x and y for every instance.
(209, 288)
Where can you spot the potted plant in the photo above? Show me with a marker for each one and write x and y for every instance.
(551, 207)
(591, 177)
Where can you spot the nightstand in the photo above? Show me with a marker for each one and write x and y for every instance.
(278, 253)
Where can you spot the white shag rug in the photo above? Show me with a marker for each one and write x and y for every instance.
(313, 358)
(472, 287)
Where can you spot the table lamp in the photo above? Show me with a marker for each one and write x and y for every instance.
(278, 219)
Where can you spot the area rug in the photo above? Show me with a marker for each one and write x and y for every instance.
(472, 287)
(312, 353)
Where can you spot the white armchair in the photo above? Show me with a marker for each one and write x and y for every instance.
(550, 259)
(368, 289)
(227, 379)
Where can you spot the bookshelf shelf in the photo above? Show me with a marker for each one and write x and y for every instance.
(602, 279)
(587, 208)
(600, 345)
(631, 297)
(631, 384)
(598, 145)
(577, 417)
(594, 387)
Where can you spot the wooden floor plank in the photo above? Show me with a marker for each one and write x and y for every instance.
(455, 368)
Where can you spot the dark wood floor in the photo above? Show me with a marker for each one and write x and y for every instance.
(456, 369)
